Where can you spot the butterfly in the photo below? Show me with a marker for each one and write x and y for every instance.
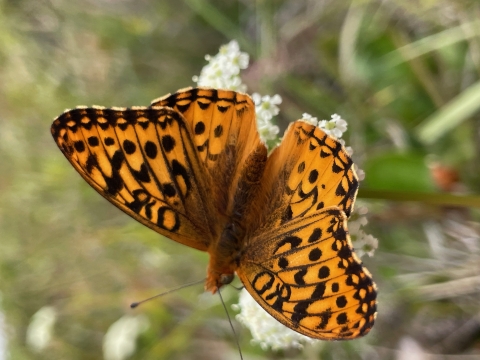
(192, 167)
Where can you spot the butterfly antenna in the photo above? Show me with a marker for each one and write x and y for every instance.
(135, 304)
(231, 325)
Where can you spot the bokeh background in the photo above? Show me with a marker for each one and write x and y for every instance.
(404, 73)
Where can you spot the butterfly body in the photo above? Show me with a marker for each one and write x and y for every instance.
(193, 168)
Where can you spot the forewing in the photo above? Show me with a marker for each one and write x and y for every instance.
(143, 161)
(306, 275)
(225, 135)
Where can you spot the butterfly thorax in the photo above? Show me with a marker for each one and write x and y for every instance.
(224, 257)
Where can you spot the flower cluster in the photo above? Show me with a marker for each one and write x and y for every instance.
(223, 72)
(335, 127)
(363, 243)
(266, 331)
(223, 69)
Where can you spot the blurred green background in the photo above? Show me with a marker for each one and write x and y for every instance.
(404, 73)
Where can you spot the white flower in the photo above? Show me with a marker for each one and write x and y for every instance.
(348, 149)
(334, 127)
(266, 331)
(356, 221)
(223, 69)
(120, 340)
(266, 108)
(310, 119)
(223, 72)
(363, 243)
(232, 52)
(369, 244)
(360, 173)
(40, 329)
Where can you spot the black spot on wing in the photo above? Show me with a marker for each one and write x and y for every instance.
(342, 318)
(301, 167)
(182, 108)
(222, 109)
(325, 318)
(341, 301)
(169, 190)
(315, 254)
(129, 147)
(117, 159)
(293, 241)
(203, 106)
(109, 141)
(79, 146)
(179, 170)
(298, 277)
(168, 143)
(300, 311)
(142, 174)
(324, 272)
(91, 163)
(319, 291)
(282, 263)
(93, 141)
(151, 149)
(315, 236)
(218, 131)
(199, 128)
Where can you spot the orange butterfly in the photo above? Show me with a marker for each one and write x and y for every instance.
(193, 168)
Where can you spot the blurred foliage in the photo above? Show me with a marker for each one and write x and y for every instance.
(405, 74)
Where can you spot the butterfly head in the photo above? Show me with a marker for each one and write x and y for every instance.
(215, 281)
(226, 278)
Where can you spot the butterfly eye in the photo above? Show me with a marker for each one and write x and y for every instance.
(226, 278)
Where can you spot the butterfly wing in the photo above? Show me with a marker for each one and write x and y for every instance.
(307, 172)
(143, 161)
(225, 135)
(306, 276)
(298, 262)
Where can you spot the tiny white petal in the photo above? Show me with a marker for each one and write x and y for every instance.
(276, 99)
(309, 119)
(257, 98)
(360, 173)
